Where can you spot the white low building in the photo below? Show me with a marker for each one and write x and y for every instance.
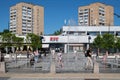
(77, 37)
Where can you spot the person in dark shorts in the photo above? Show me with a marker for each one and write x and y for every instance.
(89, 64)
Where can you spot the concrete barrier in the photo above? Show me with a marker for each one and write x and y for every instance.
(96, 68)
(52, 68)
(2, 67)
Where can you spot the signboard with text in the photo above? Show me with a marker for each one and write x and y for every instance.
(54, 39)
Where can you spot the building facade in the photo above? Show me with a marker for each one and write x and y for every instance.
(77, 38)
(26, 18)
(96, 14)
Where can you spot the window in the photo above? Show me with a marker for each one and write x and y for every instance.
(29, 8)
(23, 29)
(102, 24)
(85, 15)
(85, 9)
(118, 33)
(101, 10)
(80, 13)
(93, 33)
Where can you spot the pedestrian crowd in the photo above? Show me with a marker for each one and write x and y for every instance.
(33, 56)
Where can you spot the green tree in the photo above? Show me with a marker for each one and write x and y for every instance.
(117, 43)
(34, 40)
(18, 42)
(5, 31)
(58, 32)
(105, 41)
(108, 41)
(7, 39)
(97, 42)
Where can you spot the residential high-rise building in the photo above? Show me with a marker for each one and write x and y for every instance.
(96, 14)
(26, 18)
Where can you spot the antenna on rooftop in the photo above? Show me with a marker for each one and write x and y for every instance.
(65, 22)
(71, 22)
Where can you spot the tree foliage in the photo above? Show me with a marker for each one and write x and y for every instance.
(98, 41)
(9, 39)
(117, 43)
(34, 41)
(18, 41)
(106, 41)
(58, 32)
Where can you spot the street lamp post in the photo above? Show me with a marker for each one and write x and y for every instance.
(116, 40)
(89, 38)
(68, 35)
(68, 44)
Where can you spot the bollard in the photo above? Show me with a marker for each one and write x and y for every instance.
(96, 67)
(52, 68)
(2, 67)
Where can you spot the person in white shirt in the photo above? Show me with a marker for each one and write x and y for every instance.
(60, 59)
(53, 53)
(75, 54)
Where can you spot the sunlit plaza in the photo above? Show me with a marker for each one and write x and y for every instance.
(47, 63)
(84, 49)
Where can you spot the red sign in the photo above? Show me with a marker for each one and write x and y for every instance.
(53, 38)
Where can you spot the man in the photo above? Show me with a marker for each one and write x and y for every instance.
(89, 64)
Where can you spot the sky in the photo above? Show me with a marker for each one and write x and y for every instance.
(55, 12)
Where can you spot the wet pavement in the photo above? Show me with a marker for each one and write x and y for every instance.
(71, 64)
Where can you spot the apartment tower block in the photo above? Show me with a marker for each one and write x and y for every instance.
(96, 14)
(26, 18)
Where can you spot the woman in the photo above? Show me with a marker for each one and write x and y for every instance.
(60, 59)
(105, 57)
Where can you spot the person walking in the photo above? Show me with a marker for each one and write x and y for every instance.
(32, 58)
(28, 54)
(53, 53)
(36, 56)
(75, 54)
(105, 59)
(89, 64)
(60, 59)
